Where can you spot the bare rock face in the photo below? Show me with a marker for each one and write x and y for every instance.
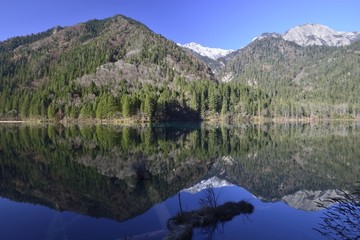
(316, 34)
(308, 200)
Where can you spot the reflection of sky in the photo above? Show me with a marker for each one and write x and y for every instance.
(269, 220)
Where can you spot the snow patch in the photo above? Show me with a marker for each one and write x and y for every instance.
(228, 77)
(213, 53)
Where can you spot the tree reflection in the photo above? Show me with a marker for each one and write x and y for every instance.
(128, 169)
(342, 218)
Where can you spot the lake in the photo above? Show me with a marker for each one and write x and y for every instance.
(180, 181)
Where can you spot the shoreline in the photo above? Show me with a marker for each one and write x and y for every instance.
(13, 121)
(137, 121)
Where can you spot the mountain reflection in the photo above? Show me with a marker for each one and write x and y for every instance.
(120, 172)
(90, 170)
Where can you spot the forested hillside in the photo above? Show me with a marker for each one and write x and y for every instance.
(301, 81)
(107, 69)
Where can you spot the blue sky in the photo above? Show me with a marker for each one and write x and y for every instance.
(229, 24)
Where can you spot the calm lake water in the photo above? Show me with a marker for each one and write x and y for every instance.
(115, 182)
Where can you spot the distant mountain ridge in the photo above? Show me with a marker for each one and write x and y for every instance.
(304, 35)
(317, 34)
(314, 34)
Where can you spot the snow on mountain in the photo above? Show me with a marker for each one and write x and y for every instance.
(214, 182)
(316, 34)
(213, 53)
(267, 35)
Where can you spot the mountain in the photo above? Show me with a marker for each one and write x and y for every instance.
(87, 46)
(212, 53)
(316, 34)
(115, 69)
(112, 62)
(300, 80)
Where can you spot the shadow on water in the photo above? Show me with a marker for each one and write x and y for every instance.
(342, 218)
(208, 217)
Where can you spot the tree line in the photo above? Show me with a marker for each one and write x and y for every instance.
(182, 100)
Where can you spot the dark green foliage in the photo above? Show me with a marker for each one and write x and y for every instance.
(149, 106)
(51, 111)
(15, 42)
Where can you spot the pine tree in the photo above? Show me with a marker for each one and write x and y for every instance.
(34, 110)
(125, 106)
(24, 107)
(51, 111)
(101, 108)
(149, 106)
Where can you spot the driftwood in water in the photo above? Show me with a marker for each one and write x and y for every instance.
(181, 226)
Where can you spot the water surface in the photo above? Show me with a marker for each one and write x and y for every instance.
(113, 182)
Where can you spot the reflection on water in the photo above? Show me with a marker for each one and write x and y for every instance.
(122, 173)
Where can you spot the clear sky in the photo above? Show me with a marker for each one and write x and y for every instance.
(228, 24)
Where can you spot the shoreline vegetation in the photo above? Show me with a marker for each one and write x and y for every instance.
(137, 121)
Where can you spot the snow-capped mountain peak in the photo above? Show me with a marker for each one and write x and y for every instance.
(267, 35)
(317, 34)
(213, 53)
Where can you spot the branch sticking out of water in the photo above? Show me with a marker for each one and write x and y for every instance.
(342, 218)
(181, 226)
(210, 198)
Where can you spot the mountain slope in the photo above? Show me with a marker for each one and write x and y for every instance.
(308, 75)
(111, 63)
(83, 48)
